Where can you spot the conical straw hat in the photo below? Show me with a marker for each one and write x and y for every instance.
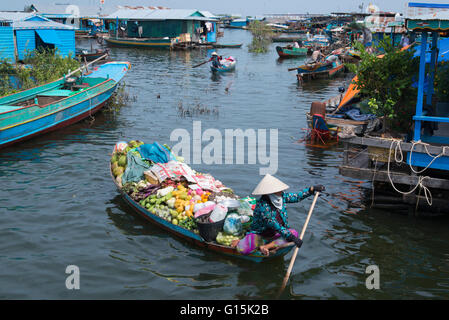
(268, 185)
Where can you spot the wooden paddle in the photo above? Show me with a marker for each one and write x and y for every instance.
(201, 64)
(292, 261)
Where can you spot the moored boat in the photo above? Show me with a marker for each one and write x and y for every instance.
(92, 55)
(58, 104)
(291, 52)
(220, 45)
(319, 69)
(139, 42)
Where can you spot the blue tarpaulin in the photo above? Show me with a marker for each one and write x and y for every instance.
(443, 53)
(49, 36)
(156, 153)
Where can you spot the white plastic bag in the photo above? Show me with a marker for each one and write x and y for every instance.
(219, 213)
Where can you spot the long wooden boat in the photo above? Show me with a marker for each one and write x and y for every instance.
(317, 70)
(139, 42)
(57, 104)
(194, 238)
(291, 52)
(227, 66)
(219, 45)
(90, 56)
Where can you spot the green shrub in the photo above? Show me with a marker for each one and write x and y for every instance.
(262, 36)
(41, 66)
(387, 83)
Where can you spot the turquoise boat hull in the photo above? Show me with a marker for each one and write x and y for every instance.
(21, 118)
(230, 67)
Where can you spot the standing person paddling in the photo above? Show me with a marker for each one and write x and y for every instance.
(270, 228)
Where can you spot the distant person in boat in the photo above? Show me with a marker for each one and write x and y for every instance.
(216, 60)
(405, 41)
(317, 55)
(296, 45)
(269, 229)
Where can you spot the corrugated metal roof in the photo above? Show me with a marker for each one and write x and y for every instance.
(40, 25)
(15, 15)
(440, 15)
(416, 11)
(141, 13)
(21, 20)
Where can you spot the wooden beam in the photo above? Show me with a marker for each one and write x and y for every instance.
(386, 143)
(397, 178)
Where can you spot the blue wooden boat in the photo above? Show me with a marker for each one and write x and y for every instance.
(317, 70)
(227, 65)
(194, 238)
(57, 104)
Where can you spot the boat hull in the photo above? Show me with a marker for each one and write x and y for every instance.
(24, 123)
(291, 53)
(227, 45)
(195, 238)
(91, 56)
(136, 43)
(229, 68)
(320, 72)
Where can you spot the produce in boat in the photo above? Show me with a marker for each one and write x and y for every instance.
(178, 198)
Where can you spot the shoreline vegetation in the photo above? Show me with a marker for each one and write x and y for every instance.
(39, 67)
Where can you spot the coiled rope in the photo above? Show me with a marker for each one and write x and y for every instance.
(400, 158)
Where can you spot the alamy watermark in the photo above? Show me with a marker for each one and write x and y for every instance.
(220, 148)
(72, 282)
(373, 280)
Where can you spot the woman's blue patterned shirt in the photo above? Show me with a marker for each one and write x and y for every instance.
(264, 217)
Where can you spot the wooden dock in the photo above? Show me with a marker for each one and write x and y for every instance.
(374, 160)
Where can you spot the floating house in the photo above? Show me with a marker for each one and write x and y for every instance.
(85, 20)
(160, 27)
(414, 169)
(31, 31)
(383, 24)
(239, 23)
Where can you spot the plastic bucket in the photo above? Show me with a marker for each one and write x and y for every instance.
(209, 230)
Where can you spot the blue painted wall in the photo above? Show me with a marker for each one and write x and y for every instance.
(212, 36)
(67, 42)
(7, 43)
(26, 41)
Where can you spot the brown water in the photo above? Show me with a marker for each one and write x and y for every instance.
(58, 205)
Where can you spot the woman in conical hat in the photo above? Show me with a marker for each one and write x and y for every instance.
(215, 58)
(270, 228)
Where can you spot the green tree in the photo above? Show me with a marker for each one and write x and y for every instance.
(386, 80)
(262, 36)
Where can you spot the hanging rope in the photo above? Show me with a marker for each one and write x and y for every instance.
(420, 184)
